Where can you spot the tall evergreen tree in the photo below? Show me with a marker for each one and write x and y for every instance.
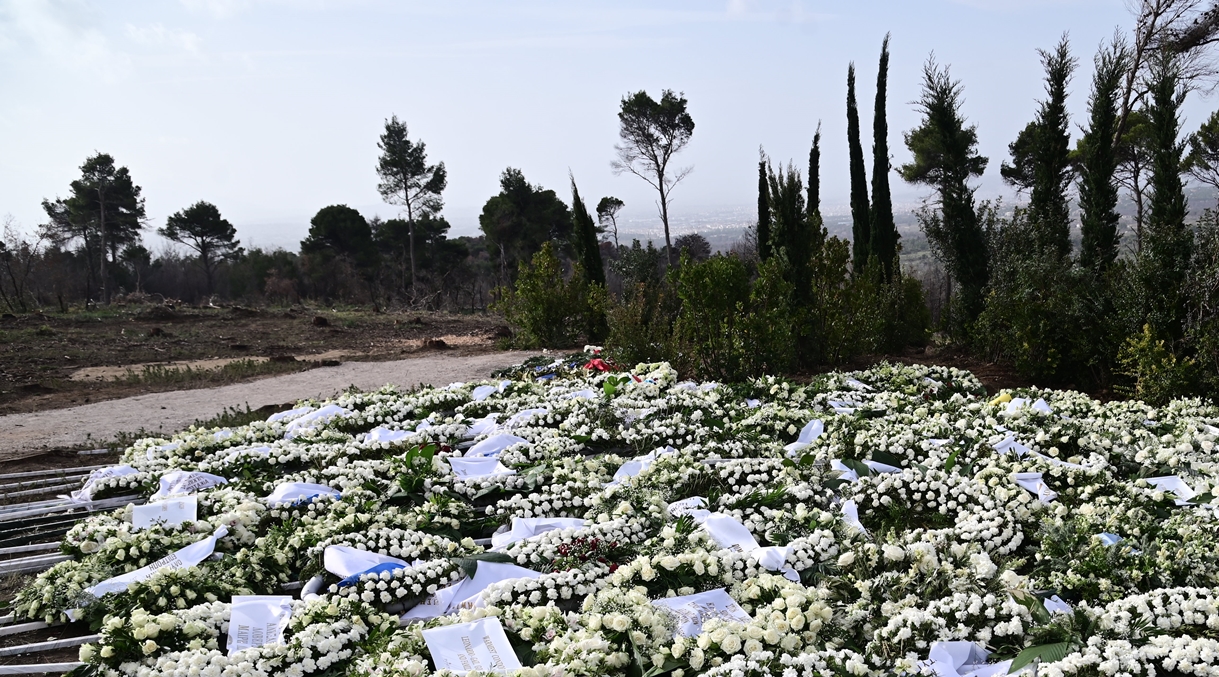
(883, 238)
(1097, 172)
(1048, 206)
(945, 157)
(813, 204)
(1169, 242)
(763, 232)
(584, 239)
(860, 212)
(791, 229)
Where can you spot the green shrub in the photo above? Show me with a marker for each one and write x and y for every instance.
(547, 309)
(641, 324)
(1157, 374)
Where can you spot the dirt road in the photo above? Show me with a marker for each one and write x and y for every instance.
(22, 434)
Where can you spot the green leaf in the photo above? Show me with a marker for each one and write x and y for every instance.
(469, 564)
(858, 466)
(670, 665)
(1034, 604)
(1046, 652)
(881, 456)
(952, 459)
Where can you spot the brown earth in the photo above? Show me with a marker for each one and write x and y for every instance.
(50, 361)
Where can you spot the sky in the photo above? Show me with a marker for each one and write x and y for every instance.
(271, 109)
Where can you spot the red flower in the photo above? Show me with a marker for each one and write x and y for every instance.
(598, 364)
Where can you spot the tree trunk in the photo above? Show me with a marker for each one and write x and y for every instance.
(664, 218)
(101, 201)
(410, 222)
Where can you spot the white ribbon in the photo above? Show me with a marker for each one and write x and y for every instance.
(752, 403)
(85, 493)
(695, 507)
(850, 515)
(524, 528)
(478, 646)
(169, 513)
(468, 468)
(524, 416)
(1009, 444)
(637, 465)
(482, 392)
(729, 533)
(383, 434)
(151, 452)
(842, 406)
(344, 561)
(294, 492)
(808, 434)
(1033, 482)
(221, 435)
(693, 611)
(492, 446)
(189, 556)
(858, 385)
(963, 659)
(465, 593)
(313, 419)
(258, 620)
(185, 482)
(1175, 485)
(291, 413)
(851, 475)
(482, 426)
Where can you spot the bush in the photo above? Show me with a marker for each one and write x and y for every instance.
(641, 324)
(729, 329)
(547, 309)
(1158, 375)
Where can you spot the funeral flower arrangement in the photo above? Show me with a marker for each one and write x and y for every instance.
(569, 519)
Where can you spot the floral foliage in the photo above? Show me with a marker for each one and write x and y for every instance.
(923, 512)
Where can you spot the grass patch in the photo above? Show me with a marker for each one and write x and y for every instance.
(235, 371)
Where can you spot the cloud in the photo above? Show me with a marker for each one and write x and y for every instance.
(156, 34)
(65, 31)
(221, 9)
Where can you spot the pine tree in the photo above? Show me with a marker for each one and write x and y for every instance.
(1169, 242)
(763, 233)
(1049, 211)
(883, 238)
(1098, 193)
(860, 212)
(945, 157)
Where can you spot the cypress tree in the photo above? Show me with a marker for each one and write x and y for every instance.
(1049, 212)
(860, 212)
(584, 238)
(816, 227)
(764, 248)
(1097, 185)
(883, 238)
(1169, 242)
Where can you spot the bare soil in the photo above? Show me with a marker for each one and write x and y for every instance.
(50, 361)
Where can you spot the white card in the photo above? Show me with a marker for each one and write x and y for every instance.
(258, 620)
(481, 645)
(170, 513)
(692, 611)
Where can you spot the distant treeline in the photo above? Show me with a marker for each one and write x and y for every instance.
(1140, 312)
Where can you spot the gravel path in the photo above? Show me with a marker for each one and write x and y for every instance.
(22, 435)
